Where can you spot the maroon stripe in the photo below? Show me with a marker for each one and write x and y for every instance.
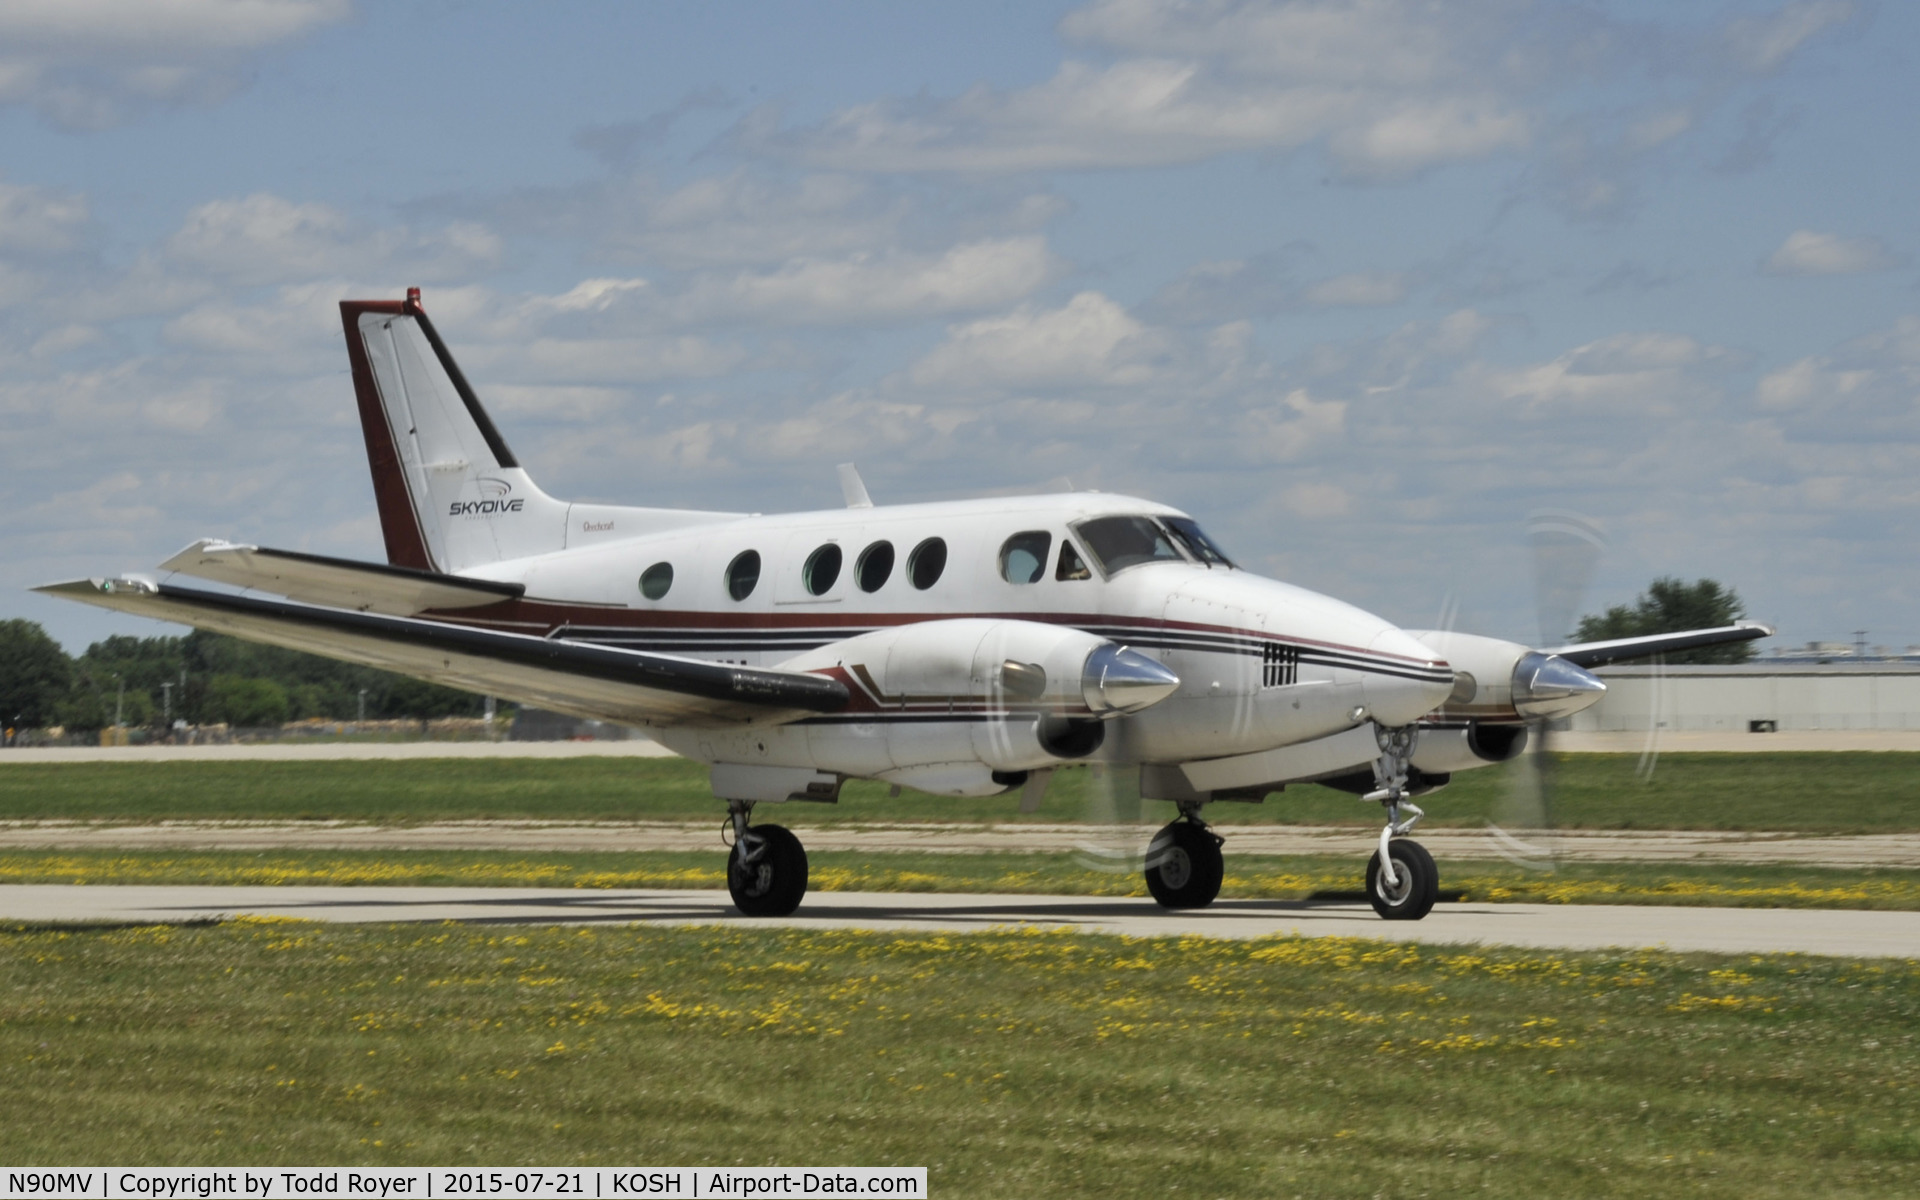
(399, 524)
(548, 615)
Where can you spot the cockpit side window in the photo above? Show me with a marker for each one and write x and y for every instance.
(1024, 557)
(1197, 543)
(1117, 543)
(1070, 567)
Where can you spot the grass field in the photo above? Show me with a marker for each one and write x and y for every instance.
(1279, 878)
(1010, 1064)
(1826, 792)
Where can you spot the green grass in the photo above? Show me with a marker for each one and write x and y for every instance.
(1818, 792)
(1010, 1064)
(1248, 877)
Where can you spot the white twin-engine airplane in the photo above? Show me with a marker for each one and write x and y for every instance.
(961, 648)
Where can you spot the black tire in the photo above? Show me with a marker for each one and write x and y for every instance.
(1184, 866)
(774, 883)
(1418, 879)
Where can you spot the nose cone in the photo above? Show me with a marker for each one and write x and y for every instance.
(1412, 679)
(1548, 686)
(1117, 681)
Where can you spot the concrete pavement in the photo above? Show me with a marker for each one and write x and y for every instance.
(1537, 926)
(1674, 846)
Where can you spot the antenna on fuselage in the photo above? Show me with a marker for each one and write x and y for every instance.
(852, 488)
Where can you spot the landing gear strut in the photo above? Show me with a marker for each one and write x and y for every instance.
(767, 868)
(1402, 881)
(1184, 865)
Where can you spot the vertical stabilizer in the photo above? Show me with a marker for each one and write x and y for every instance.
(451, 494)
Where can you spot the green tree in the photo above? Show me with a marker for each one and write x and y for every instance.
(1671, 606)
(35, 675)
(238, 700)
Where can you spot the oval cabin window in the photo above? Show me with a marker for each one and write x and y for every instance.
(1023, 559)
(655, 581)
(822, 570)
(926, 563)
(875, 566)
(743, 574)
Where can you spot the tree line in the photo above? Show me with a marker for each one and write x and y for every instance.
(202, 678)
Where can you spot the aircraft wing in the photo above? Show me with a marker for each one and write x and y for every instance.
(1599, 654)
(337, 582)
(599, 682)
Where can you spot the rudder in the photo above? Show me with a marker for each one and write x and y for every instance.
(450, 493)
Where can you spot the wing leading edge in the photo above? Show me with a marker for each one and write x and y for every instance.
(337, 582)
(600, 682)
(1599, 654)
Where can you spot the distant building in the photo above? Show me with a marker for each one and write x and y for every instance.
(1843, 691)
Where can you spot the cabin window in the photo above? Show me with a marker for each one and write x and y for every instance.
(1117, 543)
(926, 563)
(743, 574)
(1071, 565)
(1197, 543)
(1023, 559)
(822, 570)
(874, 567)
(655, 580)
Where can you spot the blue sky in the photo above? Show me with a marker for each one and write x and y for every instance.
(1359, 285)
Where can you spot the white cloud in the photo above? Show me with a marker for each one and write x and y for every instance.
(1147, 112)
(1090, 340)
(614, 360)
(887, 287)
(87, 64)
(1628, 373)
(1369, 42)
(1363, 289)
(1806, 252)
(1386, 89)
(1763, 43)
(265, 238)
(35, 220)
(1866, 390)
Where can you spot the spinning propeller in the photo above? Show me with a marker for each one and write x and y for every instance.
(1565, 548)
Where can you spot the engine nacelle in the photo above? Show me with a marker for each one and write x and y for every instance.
(947, 705)
(1495, 680)
(1442, 751)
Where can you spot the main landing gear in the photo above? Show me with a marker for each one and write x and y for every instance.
(1402, 881)
(767, 868)
(1184, 865)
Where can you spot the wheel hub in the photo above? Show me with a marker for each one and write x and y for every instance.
(1176, 867)
(1397, 892)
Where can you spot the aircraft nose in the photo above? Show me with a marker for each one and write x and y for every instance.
(1546, 685)
(1413, 680)
(1116, 681)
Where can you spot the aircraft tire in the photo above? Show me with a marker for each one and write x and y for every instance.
(1418, 882)
(1184, 866)
(773, 885)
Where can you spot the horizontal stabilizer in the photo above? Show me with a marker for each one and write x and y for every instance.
(599, 682)
(337, 582)
(1599, 654)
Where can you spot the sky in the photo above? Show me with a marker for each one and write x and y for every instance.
(1362, 286)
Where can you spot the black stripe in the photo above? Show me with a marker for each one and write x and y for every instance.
(495, 442)
(712, 681)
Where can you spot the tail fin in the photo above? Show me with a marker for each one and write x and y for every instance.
(451, 494)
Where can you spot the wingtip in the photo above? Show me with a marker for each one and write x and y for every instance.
(88, 588)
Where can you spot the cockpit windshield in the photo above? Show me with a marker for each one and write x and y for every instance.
(1121, 542)
(1197, 543)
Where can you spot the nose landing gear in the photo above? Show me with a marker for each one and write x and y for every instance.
(1402, 881)
(767, 868)
(1184, 864)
